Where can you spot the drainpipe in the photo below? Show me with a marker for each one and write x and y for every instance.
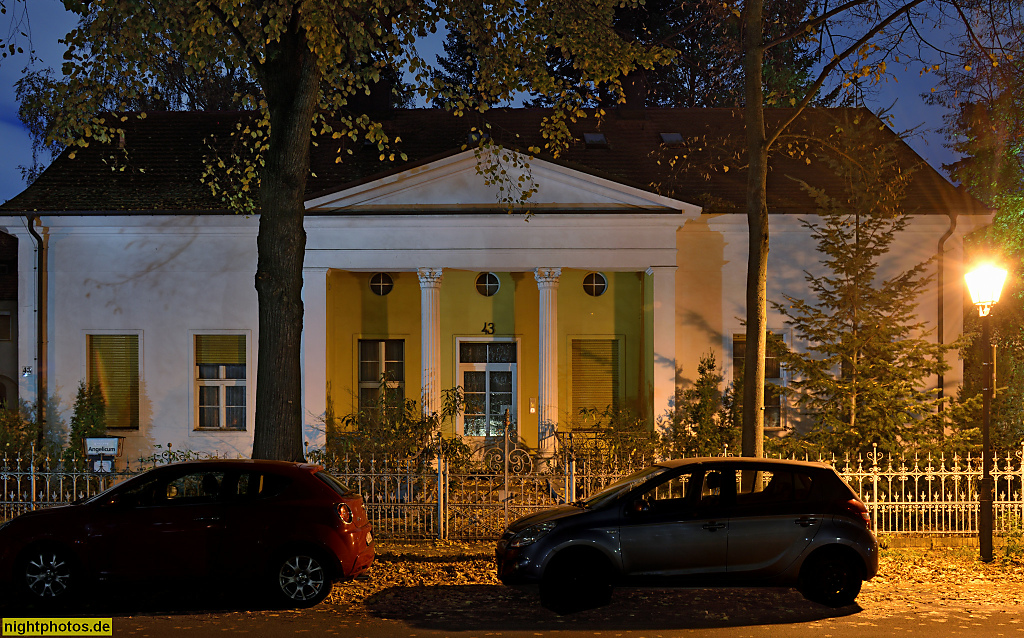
(41, 354)
(941, 301)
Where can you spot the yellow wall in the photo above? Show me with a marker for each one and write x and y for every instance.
(616, 313)
(354, 312)
(513, 310)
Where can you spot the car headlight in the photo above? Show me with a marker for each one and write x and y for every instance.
(531, 534)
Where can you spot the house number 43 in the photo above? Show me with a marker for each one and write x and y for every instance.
(488, 328)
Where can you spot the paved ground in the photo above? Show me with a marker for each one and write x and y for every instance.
(440, 589)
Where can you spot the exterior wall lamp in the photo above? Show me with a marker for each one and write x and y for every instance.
(985, 284)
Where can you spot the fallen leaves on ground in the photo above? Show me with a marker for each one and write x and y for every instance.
(943, 577)
(418, 575)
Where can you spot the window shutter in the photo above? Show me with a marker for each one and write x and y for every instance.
(220, 349)
(595, 374)
(114, 367)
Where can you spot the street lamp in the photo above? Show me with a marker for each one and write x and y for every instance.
(985, 283)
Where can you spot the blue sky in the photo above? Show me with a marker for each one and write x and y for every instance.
(49, 22)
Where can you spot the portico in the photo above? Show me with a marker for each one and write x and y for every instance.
(491, 277)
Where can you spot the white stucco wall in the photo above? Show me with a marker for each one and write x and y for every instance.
(163, 278)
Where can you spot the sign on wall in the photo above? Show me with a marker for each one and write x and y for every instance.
(101, 452)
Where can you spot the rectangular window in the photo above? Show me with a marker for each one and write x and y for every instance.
(381, 364)
(772, 378)
(595, 374)
(113, 365)
(487, 370)
(220, 374)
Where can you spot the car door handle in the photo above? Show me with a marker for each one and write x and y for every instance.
(806, 521)
(713, 526)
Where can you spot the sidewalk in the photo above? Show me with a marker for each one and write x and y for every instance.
(434, 551)
(944, 579)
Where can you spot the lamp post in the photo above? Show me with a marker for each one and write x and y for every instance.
(985, 284)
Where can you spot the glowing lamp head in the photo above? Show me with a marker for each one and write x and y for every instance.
(985, 283)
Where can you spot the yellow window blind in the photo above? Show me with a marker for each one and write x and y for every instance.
(220, 349)
(595, 374)
(114, 366)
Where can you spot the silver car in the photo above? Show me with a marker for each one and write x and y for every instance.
(699, 522)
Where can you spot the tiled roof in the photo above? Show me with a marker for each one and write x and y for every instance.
(162, 160)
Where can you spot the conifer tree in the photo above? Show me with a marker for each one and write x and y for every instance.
(702, 424)
(88, 419)
(458, 69)
(862, 378)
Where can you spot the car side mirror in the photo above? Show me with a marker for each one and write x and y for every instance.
(639, 506)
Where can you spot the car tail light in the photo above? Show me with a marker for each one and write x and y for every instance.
(856, 510)
(344, 513)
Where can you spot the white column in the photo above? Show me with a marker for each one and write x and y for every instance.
(313, 355)
(547, 284)
(430, 338)
(664, 360)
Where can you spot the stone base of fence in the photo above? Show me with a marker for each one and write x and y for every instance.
(935, 542)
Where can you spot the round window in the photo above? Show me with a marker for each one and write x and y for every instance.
(487, 284)
(381, 284)
(595, 284)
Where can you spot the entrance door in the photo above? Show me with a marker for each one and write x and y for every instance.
(487, 373)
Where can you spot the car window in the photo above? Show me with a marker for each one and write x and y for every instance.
(671, 495)
(714, 488)
(195, 487)
(252, 485)
(622, 486)
(765, 486)
(332, 482)
(200, 486)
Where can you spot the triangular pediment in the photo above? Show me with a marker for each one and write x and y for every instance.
(472, 181)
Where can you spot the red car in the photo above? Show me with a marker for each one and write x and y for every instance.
(291, 527)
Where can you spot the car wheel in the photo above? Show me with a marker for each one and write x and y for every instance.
(48, 575)
(832, 579)
(301, 580)
(576, 582)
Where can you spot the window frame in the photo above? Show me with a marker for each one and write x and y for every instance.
(360, 384)
(460, 368)
(86, 333)
(620, 342)
(590, 289)
(781, 406)
(195, 383)
(384, 287)
(486, 284)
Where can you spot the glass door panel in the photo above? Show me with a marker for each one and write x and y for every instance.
(488, 376)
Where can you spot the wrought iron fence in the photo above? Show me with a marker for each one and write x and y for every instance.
(425, 498)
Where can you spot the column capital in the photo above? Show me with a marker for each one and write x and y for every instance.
(429, 277)
(547, 277)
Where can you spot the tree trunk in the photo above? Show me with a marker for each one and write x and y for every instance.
(757, 229)
(290, 80)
